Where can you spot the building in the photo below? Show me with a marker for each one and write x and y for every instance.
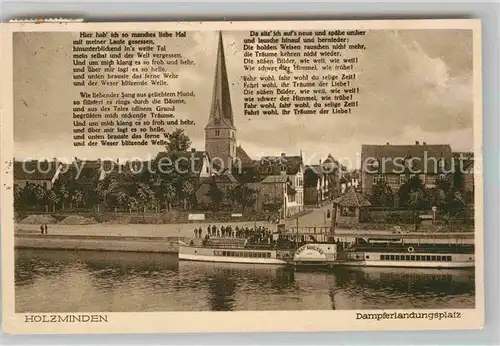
(224, 183)
(395, 164)
(324, 181)
(315, 185)
(220, 131)
(43, 173)
(288, 172)
(351, 207)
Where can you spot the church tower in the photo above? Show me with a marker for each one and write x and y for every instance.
(220, 132)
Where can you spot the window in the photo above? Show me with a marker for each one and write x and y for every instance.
(217, 133)
(397, 257)
(392, 257)
(422, 178)
(433, 258)
(372, 165)
(382, 257)
(402, 179)
(417, 257)
(428, 258)
(379, 178)
(408, 162)
(441, 163)
(412, 258)
(448, 258)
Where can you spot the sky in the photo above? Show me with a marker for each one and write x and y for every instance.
(415, 85)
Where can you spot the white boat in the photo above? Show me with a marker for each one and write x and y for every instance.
(422, 251)
(411, 251)
(233, 250)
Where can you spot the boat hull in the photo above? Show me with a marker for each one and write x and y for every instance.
(405, 264)
(227, 259)
(203, 254)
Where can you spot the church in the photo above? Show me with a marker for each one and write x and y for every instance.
(277, 180)
(220, 131)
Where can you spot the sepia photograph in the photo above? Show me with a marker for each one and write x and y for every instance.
(244, 168)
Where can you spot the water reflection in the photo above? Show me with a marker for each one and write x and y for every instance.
(112, 281)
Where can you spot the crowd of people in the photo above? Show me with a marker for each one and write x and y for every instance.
(257, 234)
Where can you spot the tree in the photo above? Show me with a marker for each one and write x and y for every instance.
(54, 199)
(33, 195)
(215, 194)
(187, 190)
(245, 196)
(178, 141)
(145, 195)
(405, 191)
(169, 194)
(131, 203)
(77, 197)
(62, 193)
(18, 196)
(382, 195)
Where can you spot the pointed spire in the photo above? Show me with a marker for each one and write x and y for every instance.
(221, 112)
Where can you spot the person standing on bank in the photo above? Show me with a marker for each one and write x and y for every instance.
(41, 228)
(45, 228)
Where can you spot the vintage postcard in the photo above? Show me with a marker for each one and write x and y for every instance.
(241, 176)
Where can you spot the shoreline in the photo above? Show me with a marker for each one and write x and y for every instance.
(97, 243)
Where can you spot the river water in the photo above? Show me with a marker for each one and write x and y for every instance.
(92, 281)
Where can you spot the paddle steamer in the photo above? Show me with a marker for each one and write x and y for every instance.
(368, 249)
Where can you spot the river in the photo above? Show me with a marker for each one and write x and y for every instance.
(92, 281)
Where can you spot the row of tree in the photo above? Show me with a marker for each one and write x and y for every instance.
(447, 195)
(132, 191)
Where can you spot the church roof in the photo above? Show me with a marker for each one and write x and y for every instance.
(221, 112)
(243, 156)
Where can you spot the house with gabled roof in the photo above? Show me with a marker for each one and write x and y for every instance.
(43, 173)
(351, 207)
(288, 170)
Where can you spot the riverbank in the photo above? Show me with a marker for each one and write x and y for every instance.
(138, 218)
(28, 240)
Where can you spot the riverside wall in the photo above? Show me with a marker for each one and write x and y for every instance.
(97, 243)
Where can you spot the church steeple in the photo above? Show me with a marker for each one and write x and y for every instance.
(221, 112)
(220, 132)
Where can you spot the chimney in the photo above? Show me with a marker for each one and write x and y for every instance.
(417, 142)
(283, 154)
(424, 143)
(193, 150)
(387, 143)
